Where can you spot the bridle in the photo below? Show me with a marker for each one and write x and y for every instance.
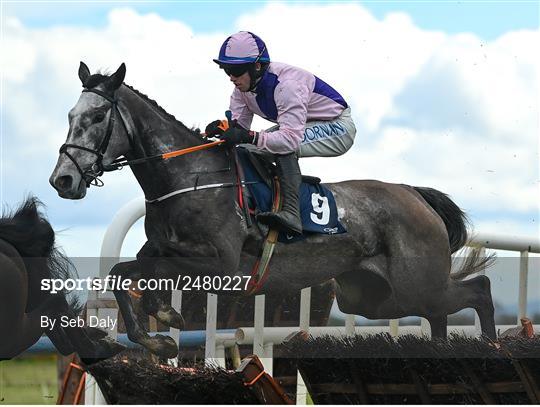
(96, 170)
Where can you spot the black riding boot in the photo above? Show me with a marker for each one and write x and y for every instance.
(290, 178)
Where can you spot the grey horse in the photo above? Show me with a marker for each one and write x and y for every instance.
(394, 261)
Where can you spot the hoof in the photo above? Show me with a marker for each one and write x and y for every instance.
(95, 333)
(109, 347)
(490, 336)
(106, 348)
(115, 348)
(162, 346)
(170, 318)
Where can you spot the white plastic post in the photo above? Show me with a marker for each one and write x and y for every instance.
(305, 310)
(394, 327)
(91, 398)
(258, 324)
(301, 390)
(211, 329)
(268, 357)
(91, 390)
(176, 304)
(92, 393)
(220, 355)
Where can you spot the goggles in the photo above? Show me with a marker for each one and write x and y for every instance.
(236, 70)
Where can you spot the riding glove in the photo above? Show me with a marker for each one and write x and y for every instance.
(216, 128)
(239, 135)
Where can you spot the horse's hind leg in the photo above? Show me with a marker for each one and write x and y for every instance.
(60, 340)
(160, 345)
(22, 329)
(79, 340)
(474, 293)
(439, 326)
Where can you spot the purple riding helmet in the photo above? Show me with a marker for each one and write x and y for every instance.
(241, 48)
(239, 54)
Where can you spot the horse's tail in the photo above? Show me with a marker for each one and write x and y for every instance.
(31, 234)
(473, 263)
(456, 222)
(453, 217)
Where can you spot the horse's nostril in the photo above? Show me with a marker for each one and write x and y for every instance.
(64, 183)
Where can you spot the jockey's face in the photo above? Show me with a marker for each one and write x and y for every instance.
(243, 81)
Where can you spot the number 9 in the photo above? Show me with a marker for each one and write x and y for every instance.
(321, 209)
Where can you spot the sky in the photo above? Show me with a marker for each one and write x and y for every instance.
(443, 94)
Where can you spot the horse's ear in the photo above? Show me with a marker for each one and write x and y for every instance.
(84, 72)
(116, 79)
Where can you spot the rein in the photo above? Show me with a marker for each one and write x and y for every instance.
(91, 175)
(122, 162)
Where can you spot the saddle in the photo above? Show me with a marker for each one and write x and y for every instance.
(318, 208)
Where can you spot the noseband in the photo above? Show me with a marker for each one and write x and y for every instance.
(97, 169)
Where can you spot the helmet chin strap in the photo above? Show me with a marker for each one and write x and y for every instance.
(255, 76)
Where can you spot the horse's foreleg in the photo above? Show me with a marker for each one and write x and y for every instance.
(165, 260)
(474, 293)
(160, 345)
(165, 313)
(149, 259)
(155, 302)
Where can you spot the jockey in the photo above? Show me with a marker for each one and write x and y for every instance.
(312, 118)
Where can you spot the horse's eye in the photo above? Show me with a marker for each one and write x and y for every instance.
(98, 118)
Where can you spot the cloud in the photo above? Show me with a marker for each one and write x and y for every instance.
(367, 59)
(449, 111)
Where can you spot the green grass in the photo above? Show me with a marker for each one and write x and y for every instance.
(28, 380)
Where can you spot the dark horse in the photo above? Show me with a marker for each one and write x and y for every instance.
(28, 255)
(393, 262)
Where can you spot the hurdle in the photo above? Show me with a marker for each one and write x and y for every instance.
(263, 339)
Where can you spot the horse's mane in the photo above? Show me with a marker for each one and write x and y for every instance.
(98, 78)
(160, 109)
(31, 234)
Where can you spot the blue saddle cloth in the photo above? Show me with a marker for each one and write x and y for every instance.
(317, 204)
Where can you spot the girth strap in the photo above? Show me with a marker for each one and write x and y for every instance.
(197, 188)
